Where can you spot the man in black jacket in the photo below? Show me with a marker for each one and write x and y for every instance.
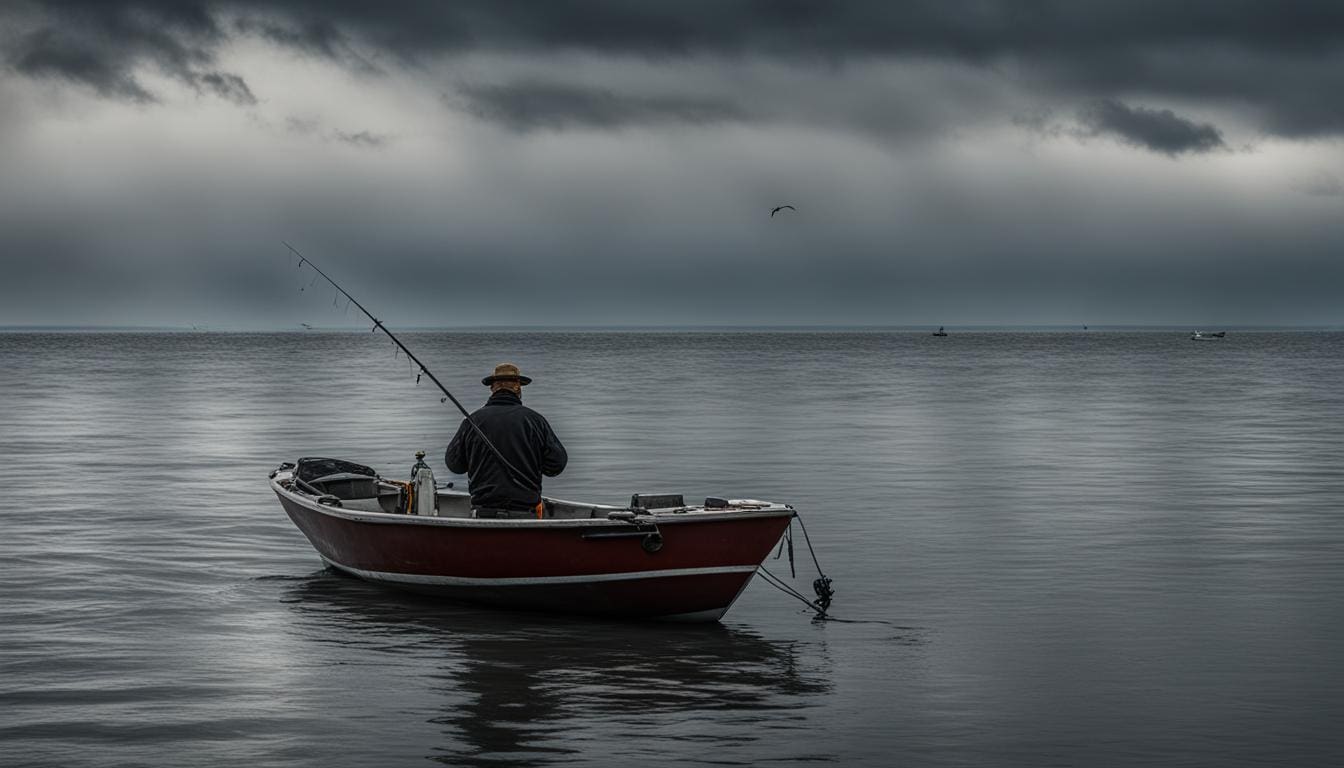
(521, 434)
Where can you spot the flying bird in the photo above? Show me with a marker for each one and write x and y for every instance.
(306, 326)
(779, 208)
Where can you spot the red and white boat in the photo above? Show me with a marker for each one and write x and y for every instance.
(658, 558)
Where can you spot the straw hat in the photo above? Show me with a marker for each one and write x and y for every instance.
(506, 372)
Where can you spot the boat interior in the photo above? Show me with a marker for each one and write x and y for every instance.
(344, 484)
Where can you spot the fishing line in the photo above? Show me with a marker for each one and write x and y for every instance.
(377, 326)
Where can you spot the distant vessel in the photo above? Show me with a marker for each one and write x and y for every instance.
(1201, 336)
(940, 331)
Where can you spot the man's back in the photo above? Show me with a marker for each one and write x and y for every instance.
(525, 439)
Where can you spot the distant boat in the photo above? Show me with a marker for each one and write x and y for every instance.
(940, 331)
(1201, 336)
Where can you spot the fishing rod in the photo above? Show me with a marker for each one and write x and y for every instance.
(378, 325)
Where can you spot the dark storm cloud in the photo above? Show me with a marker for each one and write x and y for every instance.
(44, 54)
(969, 29)
(318, 36)
(174, 213)
(223, 85)
(1160, 130)
(102, 44)
(1271, 59)
(531, 105)
(315, 37)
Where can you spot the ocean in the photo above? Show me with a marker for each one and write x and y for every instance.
(1048, 548)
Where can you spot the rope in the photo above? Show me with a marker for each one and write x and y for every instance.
(809, 541)
(775, 582)
(821, 585)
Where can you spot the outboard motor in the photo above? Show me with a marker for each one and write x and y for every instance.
(426, 496)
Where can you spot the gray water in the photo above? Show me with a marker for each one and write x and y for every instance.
(1062, 549)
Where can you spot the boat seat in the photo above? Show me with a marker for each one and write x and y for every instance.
(345, 480)
(363, 505)
(566, 510)
(657, 501)
(454, 505)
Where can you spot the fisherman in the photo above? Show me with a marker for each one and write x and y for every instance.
(521, 435)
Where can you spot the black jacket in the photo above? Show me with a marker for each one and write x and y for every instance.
(526, 440)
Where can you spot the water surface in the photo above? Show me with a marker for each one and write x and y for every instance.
(1066, 548)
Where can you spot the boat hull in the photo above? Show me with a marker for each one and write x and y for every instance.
(595, 567)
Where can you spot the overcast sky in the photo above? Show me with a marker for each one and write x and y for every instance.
(568, 163)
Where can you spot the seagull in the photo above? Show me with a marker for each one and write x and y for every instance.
(779, 208)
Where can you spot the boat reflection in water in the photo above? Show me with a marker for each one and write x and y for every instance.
(515, 688)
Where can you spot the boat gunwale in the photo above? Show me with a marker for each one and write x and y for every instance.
(664, 518)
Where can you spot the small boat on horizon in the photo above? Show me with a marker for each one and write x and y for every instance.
(940, 331)
(1201, 336)
(657, 559)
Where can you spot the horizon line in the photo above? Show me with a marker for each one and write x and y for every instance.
(610, 327)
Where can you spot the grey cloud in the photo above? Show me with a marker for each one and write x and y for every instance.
(361, 138)
(1322, 183)
(643, 232)
(1272, 59)
(301, 125)
(103, 45)
(963, 29)
(224, 85)
(657, 227)
(317, 36)
(305, 126)
(532, 105)
(42, 54)
(1159, 130)
(1041, 122)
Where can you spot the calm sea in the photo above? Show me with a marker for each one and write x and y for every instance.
(1057, 549)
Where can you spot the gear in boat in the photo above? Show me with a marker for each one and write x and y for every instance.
(346, 484)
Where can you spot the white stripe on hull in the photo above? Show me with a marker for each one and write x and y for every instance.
(526, 581)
